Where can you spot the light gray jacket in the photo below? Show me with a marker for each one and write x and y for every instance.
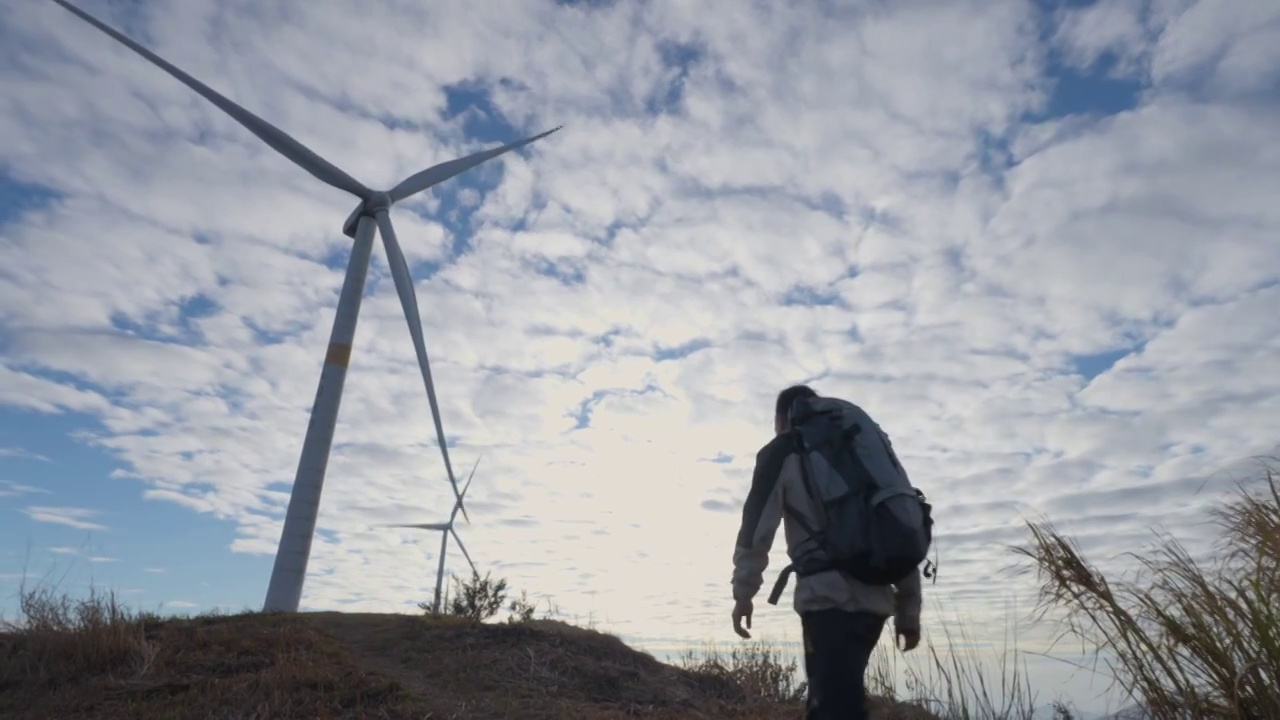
(778, 481)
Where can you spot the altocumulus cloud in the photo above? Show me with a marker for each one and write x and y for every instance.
(1037, 243)
(77, 518)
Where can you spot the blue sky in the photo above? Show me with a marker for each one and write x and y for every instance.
(1036, 242)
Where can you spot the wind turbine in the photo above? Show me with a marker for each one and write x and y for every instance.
(372, 213)
(446, 529)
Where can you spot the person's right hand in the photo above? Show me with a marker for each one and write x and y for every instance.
(908, 640)
(742, 610)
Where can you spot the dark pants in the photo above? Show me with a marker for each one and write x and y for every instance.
(837, 648)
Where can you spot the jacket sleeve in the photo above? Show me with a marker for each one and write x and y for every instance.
(907, 603)
(761, 515)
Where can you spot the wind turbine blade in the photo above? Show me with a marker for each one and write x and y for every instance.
(409, 301)
(458, 505)
(278, 140)
(419, 526)
(471, 475)
(420, 181)
(463, 548)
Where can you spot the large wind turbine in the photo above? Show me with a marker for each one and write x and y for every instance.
(372, 213)
(445, 529)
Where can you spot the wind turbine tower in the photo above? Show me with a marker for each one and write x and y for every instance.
(446, 529)
(371, 214)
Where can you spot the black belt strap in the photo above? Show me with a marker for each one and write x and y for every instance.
(799, 572)
(781, 584)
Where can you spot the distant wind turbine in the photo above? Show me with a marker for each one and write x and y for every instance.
(372, 213)
(446, 529)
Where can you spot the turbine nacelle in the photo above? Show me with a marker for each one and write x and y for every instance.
(376, 202)
(369, 206)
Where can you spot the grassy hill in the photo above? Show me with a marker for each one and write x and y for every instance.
(81, 659)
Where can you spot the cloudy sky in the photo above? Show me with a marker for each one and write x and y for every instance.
(1036, 241)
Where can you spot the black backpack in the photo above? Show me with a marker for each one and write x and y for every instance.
(877, 528)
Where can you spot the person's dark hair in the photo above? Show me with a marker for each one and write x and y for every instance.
(788, 397)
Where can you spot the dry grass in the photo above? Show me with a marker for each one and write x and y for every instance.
(92, 658)
(954, 682)
(65, 638)
(951, 685)
(759, 668)
(535, 669)
(1191, 639)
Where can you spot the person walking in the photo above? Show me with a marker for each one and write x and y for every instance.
(842, 618)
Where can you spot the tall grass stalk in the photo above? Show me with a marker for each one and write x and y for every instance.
(65, 637)
(952, 679)
(1189, 638)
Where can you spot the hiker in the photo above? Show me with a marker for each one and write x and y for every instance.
(842, 617)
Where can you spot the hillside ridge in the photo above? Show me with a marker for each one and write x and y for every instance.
(334, 666)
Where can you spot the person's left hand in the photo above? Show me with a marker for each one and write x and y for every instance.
(907, 640)
(742, 609)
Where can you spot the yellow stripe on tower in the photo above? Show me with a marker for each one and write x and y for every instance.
(338, 354)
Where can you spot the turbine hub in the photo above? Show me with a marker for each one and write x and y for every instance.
(374, 201)
(377, 201)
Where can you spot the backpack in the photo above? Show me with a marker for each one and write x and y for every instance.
(878, 528)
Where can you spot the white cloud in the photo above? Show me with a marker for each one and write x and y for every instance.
(639, 267)
(1087, 33)
(12, 489)
(77, 552)
(17, 452)
(77, 518)
(1219, 48)
(29, 392)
